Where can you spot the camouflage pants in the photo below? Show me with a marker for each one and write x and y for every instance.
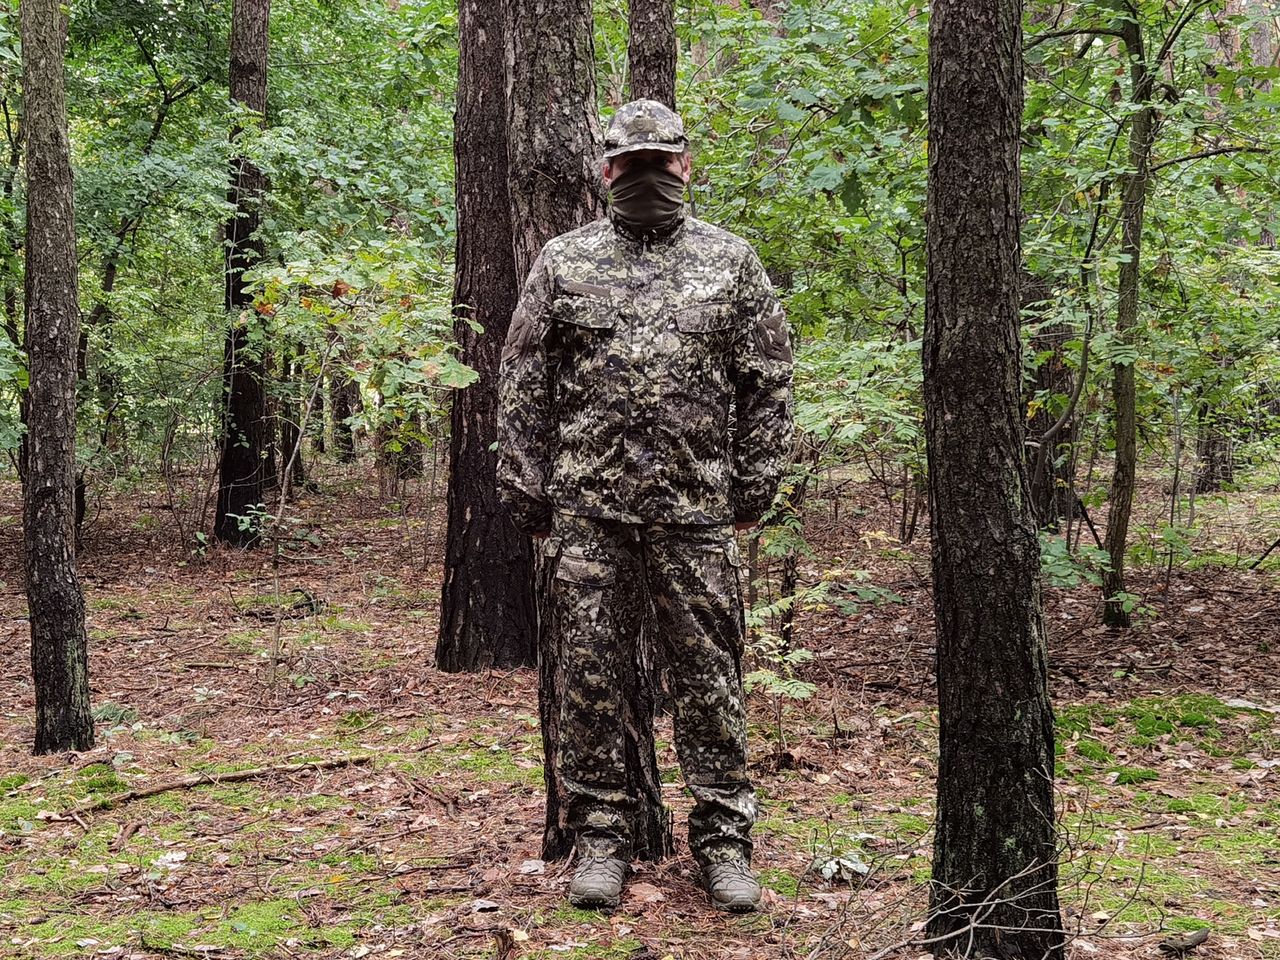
(604, 573)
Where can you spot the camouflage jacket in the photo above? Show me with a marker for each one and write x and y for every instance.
(625, 361)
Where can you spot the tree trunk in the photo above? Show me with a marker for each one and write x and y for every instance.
(59, 648)
(484, 622)
(412, 451)
(1124, 389)
(651, 51)
(317, 421)
(1051, 487)
(341, 393)
(1215, 459)
(241, 471)
(554, 149)
(994, 851)
(291, 407)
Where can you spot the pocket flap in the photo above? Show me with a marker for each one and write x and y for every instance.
(575, 568)
(706, 317)
(589, 305)
(590, 312)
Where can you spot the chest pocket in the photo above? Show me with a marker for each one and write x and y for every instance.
(711, 316)
(587, 306)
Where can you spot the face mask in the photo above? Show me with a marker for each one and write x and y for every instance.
(646, 196)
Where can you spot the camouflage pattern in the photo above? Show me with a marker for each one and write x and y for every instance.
(599, 572)
(646, 406)
(625, 359)
(644, 125)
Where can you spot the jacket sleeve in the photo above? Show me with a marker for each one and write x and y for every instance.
(761, 369)
(525, 398)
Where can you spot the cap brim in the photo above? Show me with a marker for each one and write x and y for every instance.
(637, 147)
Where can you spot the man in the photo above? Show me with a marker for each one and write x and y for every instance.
(636, 339)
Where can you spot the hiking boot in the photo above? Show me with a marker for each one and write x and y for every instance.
(732, 885)
(597, 882)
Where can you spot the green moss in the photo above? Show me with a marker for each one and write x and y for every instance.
(1094, 751)
(1130, 775)
(617, 950)
(783, 883)
(1188, 923)
(353, 862)
(100, 778)
(13, 782)
(1239, 844)
(1076, 718)
(249, 924)
(356, 720)
(246, 641)
(572, 916)
(479, 761)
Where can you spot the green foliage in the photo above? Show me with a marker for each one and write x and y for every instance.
(1061, 567)
(809, 138)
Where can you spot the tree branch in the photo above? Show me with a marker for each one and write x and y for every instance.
(1219, 151)
(1073, 32)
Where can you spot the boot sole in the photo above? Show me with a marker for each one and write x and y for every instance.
(594, 903)
(736, 907)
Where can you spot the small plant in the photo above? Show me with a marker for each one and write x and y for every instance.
(1060, 567)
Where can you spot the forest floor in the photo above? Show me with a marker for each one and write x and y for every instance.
(421, 838)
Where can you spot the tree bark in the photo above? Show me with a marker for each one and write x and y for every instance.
(553, 153)
(1123, 385)
(484, 622)
(651, 51)
(341, 393)
(409, 460)
(242, 468)
(293, 473)
(317, 422)
(59, 647)
(1052, 490)
(994, 851)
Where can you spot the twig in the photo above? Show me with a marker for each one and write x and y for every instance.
(198, 779)
(1266, 553)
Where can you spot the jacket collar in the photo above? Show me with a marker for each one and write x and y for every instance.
(666, 233)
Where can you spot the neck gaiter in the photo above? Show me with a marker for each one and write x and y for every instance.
(645, 196)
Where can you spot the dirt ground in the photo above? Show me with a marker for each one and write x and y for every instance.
(411, 827)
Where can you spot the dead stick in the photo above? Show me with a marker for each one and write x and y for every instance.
(196, 780)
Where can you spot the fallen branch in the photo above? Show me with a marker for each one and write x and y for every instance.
(199, 779)
(1266, 553)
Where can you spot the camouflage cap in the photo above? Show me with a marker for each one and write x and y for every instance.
(644, 125)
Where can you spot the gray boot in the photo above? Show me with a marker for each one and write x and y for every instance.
(597, 882)
(732, 886)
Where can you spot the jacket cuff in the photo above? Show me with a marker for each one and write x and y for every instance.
(750, 506)
(530, 514)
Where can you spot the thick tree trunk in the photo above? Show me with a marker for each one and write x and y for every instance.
(487, 615)
(1124, 388)
(994, 870)
(59, 648)
(651, 51)
(242, 467)
(553, 153)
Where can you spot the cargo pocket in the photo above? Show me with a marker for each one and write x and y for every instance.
(580, 589)
(721, 573)
(574, 567)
